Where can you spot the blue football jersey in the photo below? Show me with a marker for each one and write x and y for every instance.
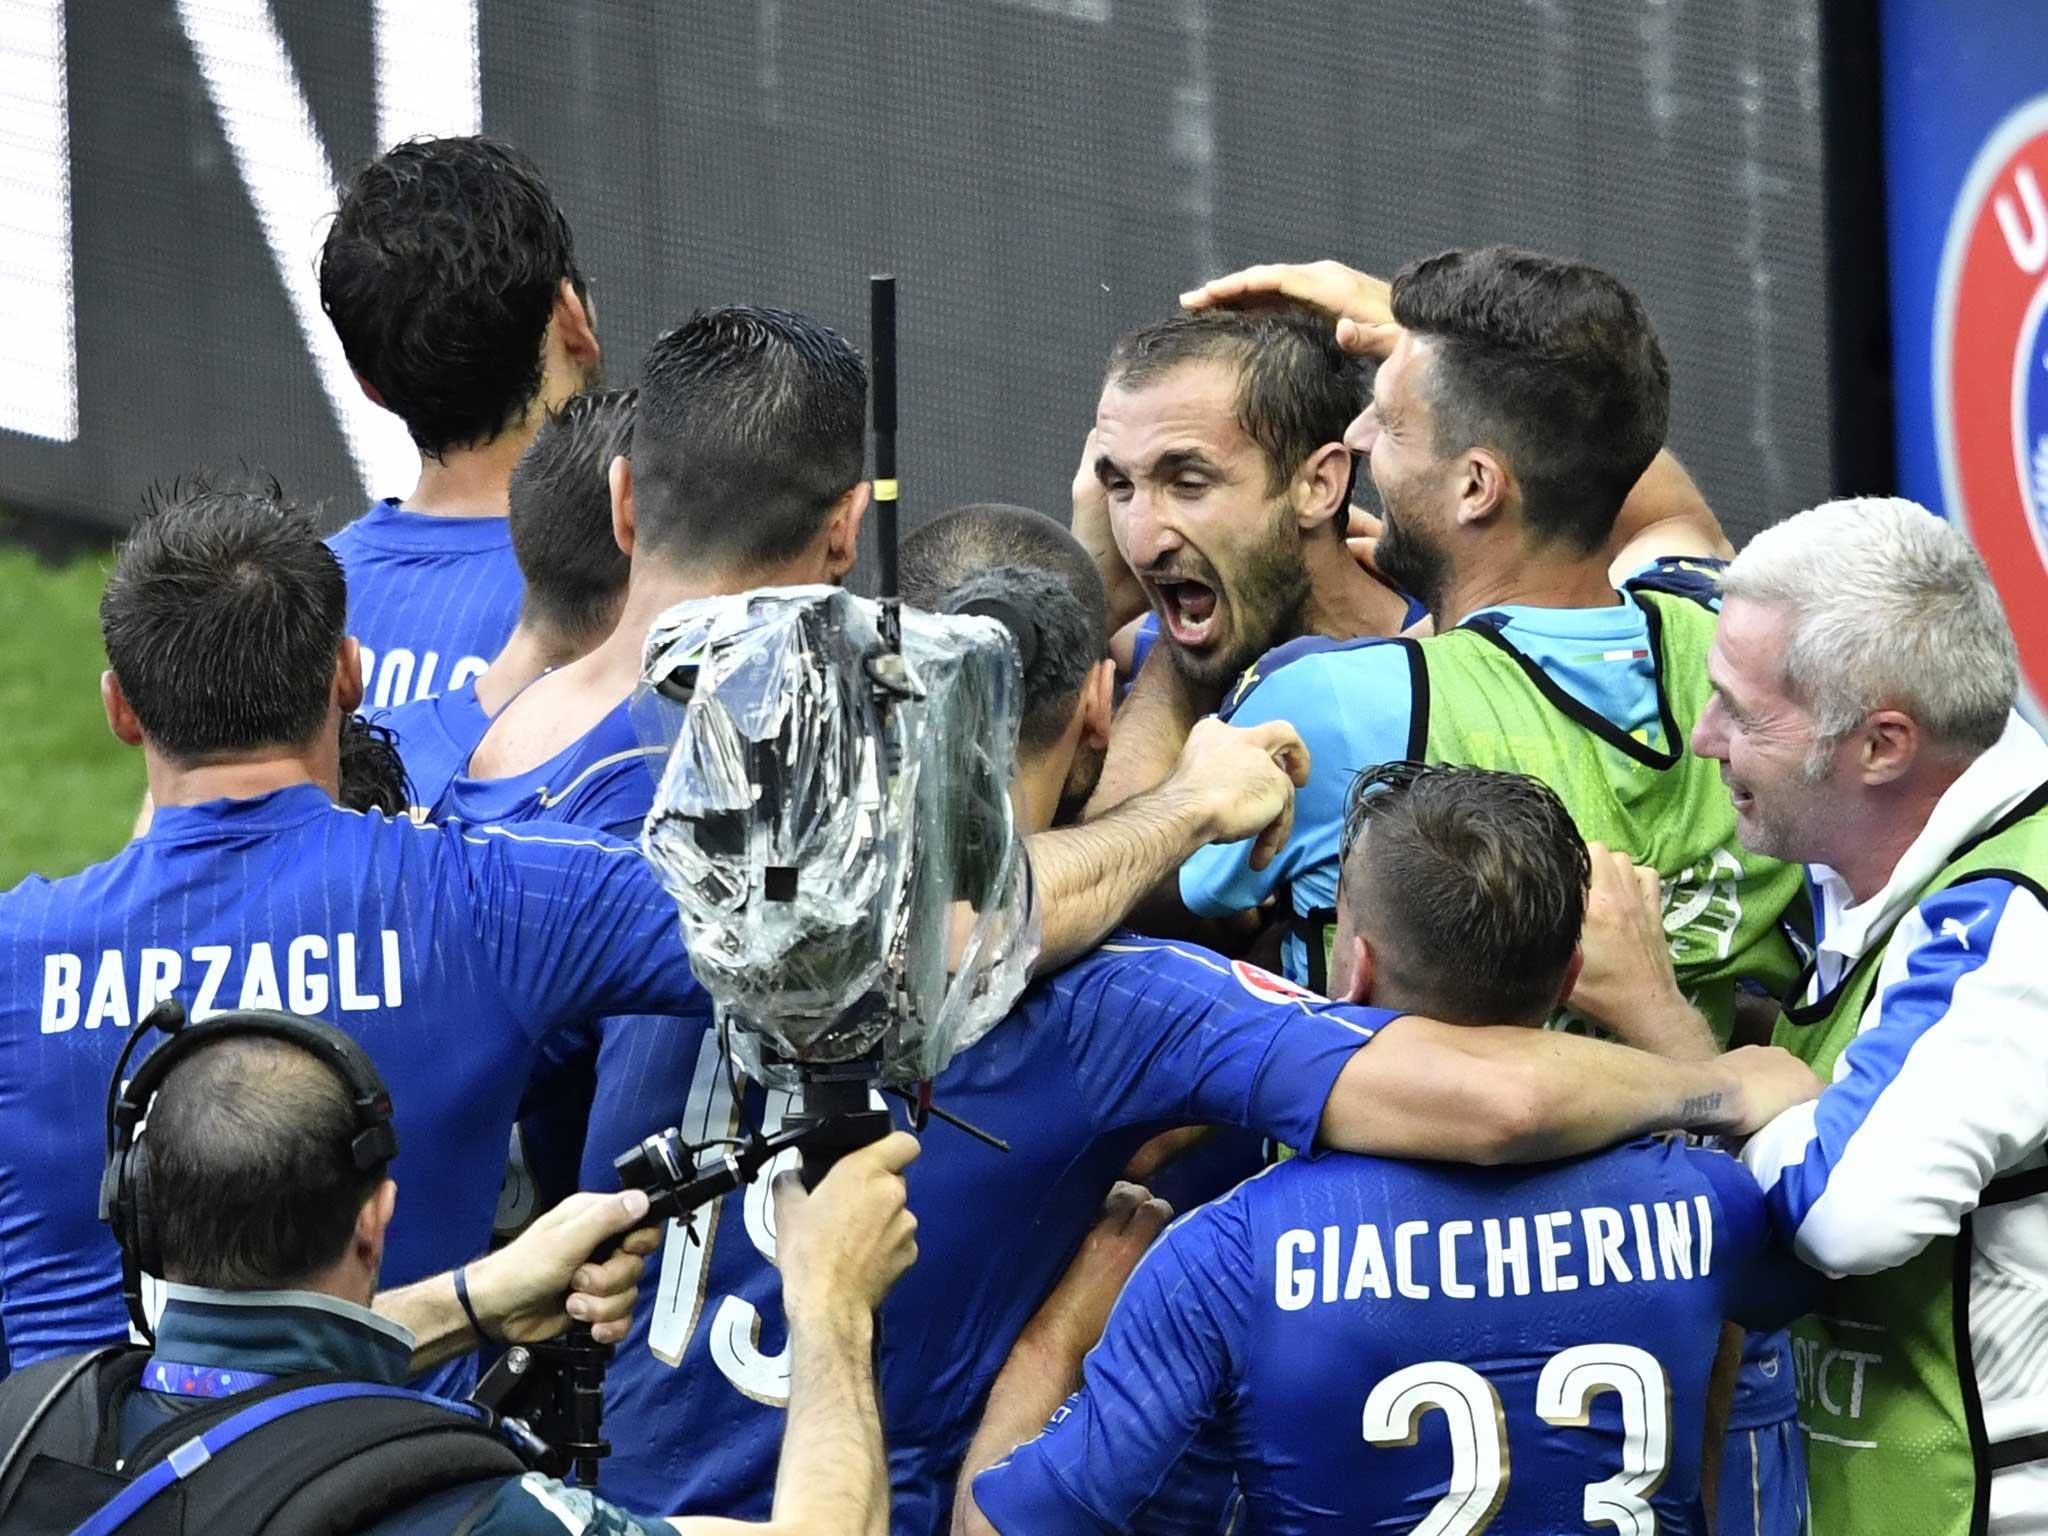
(447, 952)
(430, 599)
(1395, 1347)
(435, 738)
(603, 780)
(1093, 1061)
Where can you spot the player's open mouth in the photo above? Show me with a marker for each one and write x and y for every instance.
(1188, 609)
(1743, 798)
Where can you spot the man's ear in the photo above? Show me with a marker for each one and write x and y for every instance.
(842, 531)
(620, 477)
(574, 323)
(371, 393)
(1320, 485)
(1098, 704)
(1358, 982)
(374, 1220)
(1485, 486)
(1571, 973)
(348, 676)
(1887, 745)
(121, 718)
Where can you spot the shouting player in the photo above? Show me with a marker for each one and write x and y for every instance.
(1213, 488)
(1411, 1346)
(450, 276)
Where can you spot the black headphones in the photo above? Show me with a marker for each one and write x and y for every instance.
(124, 1187)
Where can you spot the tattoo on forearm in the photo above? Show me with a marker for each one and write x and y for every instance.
(1700, 1106)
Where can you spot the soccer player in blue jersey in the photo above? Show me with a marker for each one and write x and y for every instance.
(1394, 1346)
(450, 276)
(560, 514)
(1094, 1060)
(450, 954)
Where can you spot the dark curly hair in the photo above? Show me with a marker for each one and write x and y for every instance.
(439, 274)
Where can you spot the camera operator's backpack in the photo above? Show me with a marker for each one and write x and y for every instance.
(315, 1455)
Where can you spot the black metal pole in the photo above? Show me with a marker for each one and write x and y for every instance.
(882, 375)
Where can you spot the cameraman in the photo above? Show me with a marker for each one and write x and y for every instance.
(271, 1240)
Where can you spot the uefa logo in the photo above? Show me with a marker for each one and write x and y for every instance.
(1991, 373)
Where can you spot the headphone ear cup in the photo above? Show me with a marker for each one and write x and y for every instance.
(137, 1224)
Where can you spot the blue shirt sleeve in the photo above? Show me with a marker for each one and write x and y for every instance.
(1352, 708)
(576, 926)
(1166, 1366)
(1170, 1033)
(1695, 576)
(1765, 1286)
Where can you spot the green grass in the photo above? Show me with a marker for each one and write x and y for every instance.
(68, 790)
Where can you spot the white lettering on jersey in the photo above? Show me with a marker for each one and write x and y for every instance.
(158, 973)
(215, 958)
(259, 980)
(1307, 1261)
(109, 994)
(398, 676)
(62, 977)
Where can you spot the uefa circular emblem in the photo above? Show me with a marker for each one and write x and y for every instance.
(1991, 373)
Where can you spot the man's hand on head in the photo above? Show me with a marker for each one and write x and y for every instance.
(843, 1245)
(1093, 531)
(1244, 782)
(549, 1276)
(1359, 302)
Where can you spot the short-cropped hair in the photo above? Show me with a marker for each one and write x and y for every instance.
(749, 430)
(1033, 568)
(252, 1181)
(1551, 363)
(223, 619)
(1890, 608)
(560, 514)
(1476, 883)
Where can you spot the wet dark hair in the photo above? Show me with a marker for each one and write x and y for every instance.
(223, 619)
(750, 428)
(561, 516)
(1476, 879)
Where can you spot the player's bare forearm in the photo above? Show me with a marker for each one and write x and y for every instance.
(1151, 728)
(1507, 1095)
(833, 1479)
(1090, 878)
(1665, 514)
(429, 1311)
(1042, 1372)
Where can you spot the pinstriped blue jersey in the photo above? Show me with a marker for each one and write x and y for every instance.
(1093, 1061)
(430, 599)
(447, 952)
(1384, 1344)
(435, 738)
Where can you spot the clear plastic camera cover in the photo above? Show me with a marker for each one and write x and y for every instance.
(835, 825)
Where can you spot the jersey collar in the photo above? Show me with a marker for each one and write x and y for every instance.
(2015, 766)
(212, 819)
